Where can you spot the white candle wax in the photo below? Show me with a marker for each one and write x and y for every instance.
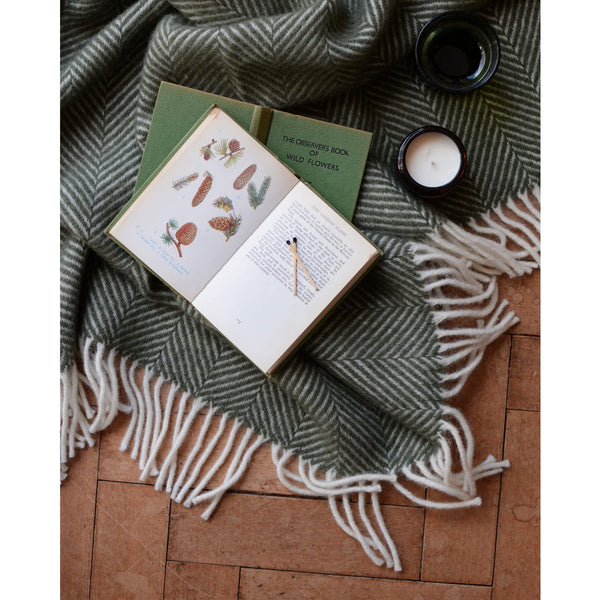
(433, 159)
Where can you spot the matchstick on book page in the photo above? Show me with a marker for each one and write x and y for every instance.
(215, 223)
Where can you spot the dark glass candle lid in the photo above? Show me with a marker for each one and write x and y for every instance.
(457, 51)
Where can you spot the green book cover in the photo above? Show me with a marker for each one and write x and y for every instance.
(330, 158)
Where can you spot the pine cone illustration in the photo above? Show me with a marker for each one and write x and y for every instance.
(228, 225)
(203, 189)
(184, 235)
(221, 223)
(229, 151)
(244, 177)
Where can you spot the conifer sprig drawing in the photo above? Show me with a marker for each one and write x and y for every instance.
(229, 151)
(179, 183)
(206, 151)
(184, 235)
(257, 197)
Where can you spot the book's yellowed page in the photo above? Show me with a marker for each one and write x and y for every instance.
(251, 301)
(203, 204)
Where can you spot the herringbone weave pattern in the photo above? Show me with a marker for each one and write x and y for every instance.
(364, 394)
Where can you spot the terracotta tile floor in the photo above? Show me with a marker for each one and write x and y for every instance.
(121, 539)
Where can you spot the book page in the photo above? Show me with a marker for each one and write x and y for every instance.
(251, 299)
(203, 204)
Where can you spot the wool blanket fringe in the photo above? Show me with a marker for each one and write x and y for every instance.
(459, 270)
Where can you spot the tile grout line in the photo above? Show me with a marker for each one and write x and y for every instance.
(259, 493)
(95, 516)
(399, 580)
(239, 581)
(506, 400)
(423, 541)
(167, 549)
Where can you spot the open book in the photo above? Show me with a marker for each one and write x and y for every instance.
(229, 227)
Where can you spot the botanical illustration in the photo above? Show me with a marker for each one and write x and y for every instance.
(184, 235)
(256, 197)
(229, 151)
(206, 151)
(179, 183)
(244, 177)
(224, 203)
(228, 225)
(203, 189)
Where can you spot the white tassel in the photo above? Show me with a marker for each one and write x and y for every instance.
(366, 542)
(389, 561)
(180, 488)
(132, 404)
(285, 475)
(157, 443)
(74, 428)
(353, 532)
(149, 410)
(141, 413)
(171, 464)
(169, 461)
(231, 478)
(439, 475)
(158, 385)
(217, 464)
(468, 260)
(380, 521)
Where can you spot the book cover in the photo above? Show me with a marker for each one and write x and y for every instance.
(251, 246)
(330, 158)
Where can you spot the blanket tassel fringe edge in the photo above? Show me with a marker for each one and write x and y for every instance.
(453, 258)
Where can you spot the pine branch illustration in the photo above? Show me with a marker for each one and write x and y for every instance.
(168, 233)
(237, 221)
(229, 151)
(257, 197)
(253, 198)
(222, 147)
(206, 151)
(179, 183)
(233, 157)
(264, 187)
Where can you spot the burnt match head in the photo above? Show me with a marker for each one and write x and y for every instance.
(294, 240)
(288, 242)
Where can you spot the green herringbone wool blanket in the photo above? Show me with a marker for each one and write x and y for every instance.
(368, 399)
